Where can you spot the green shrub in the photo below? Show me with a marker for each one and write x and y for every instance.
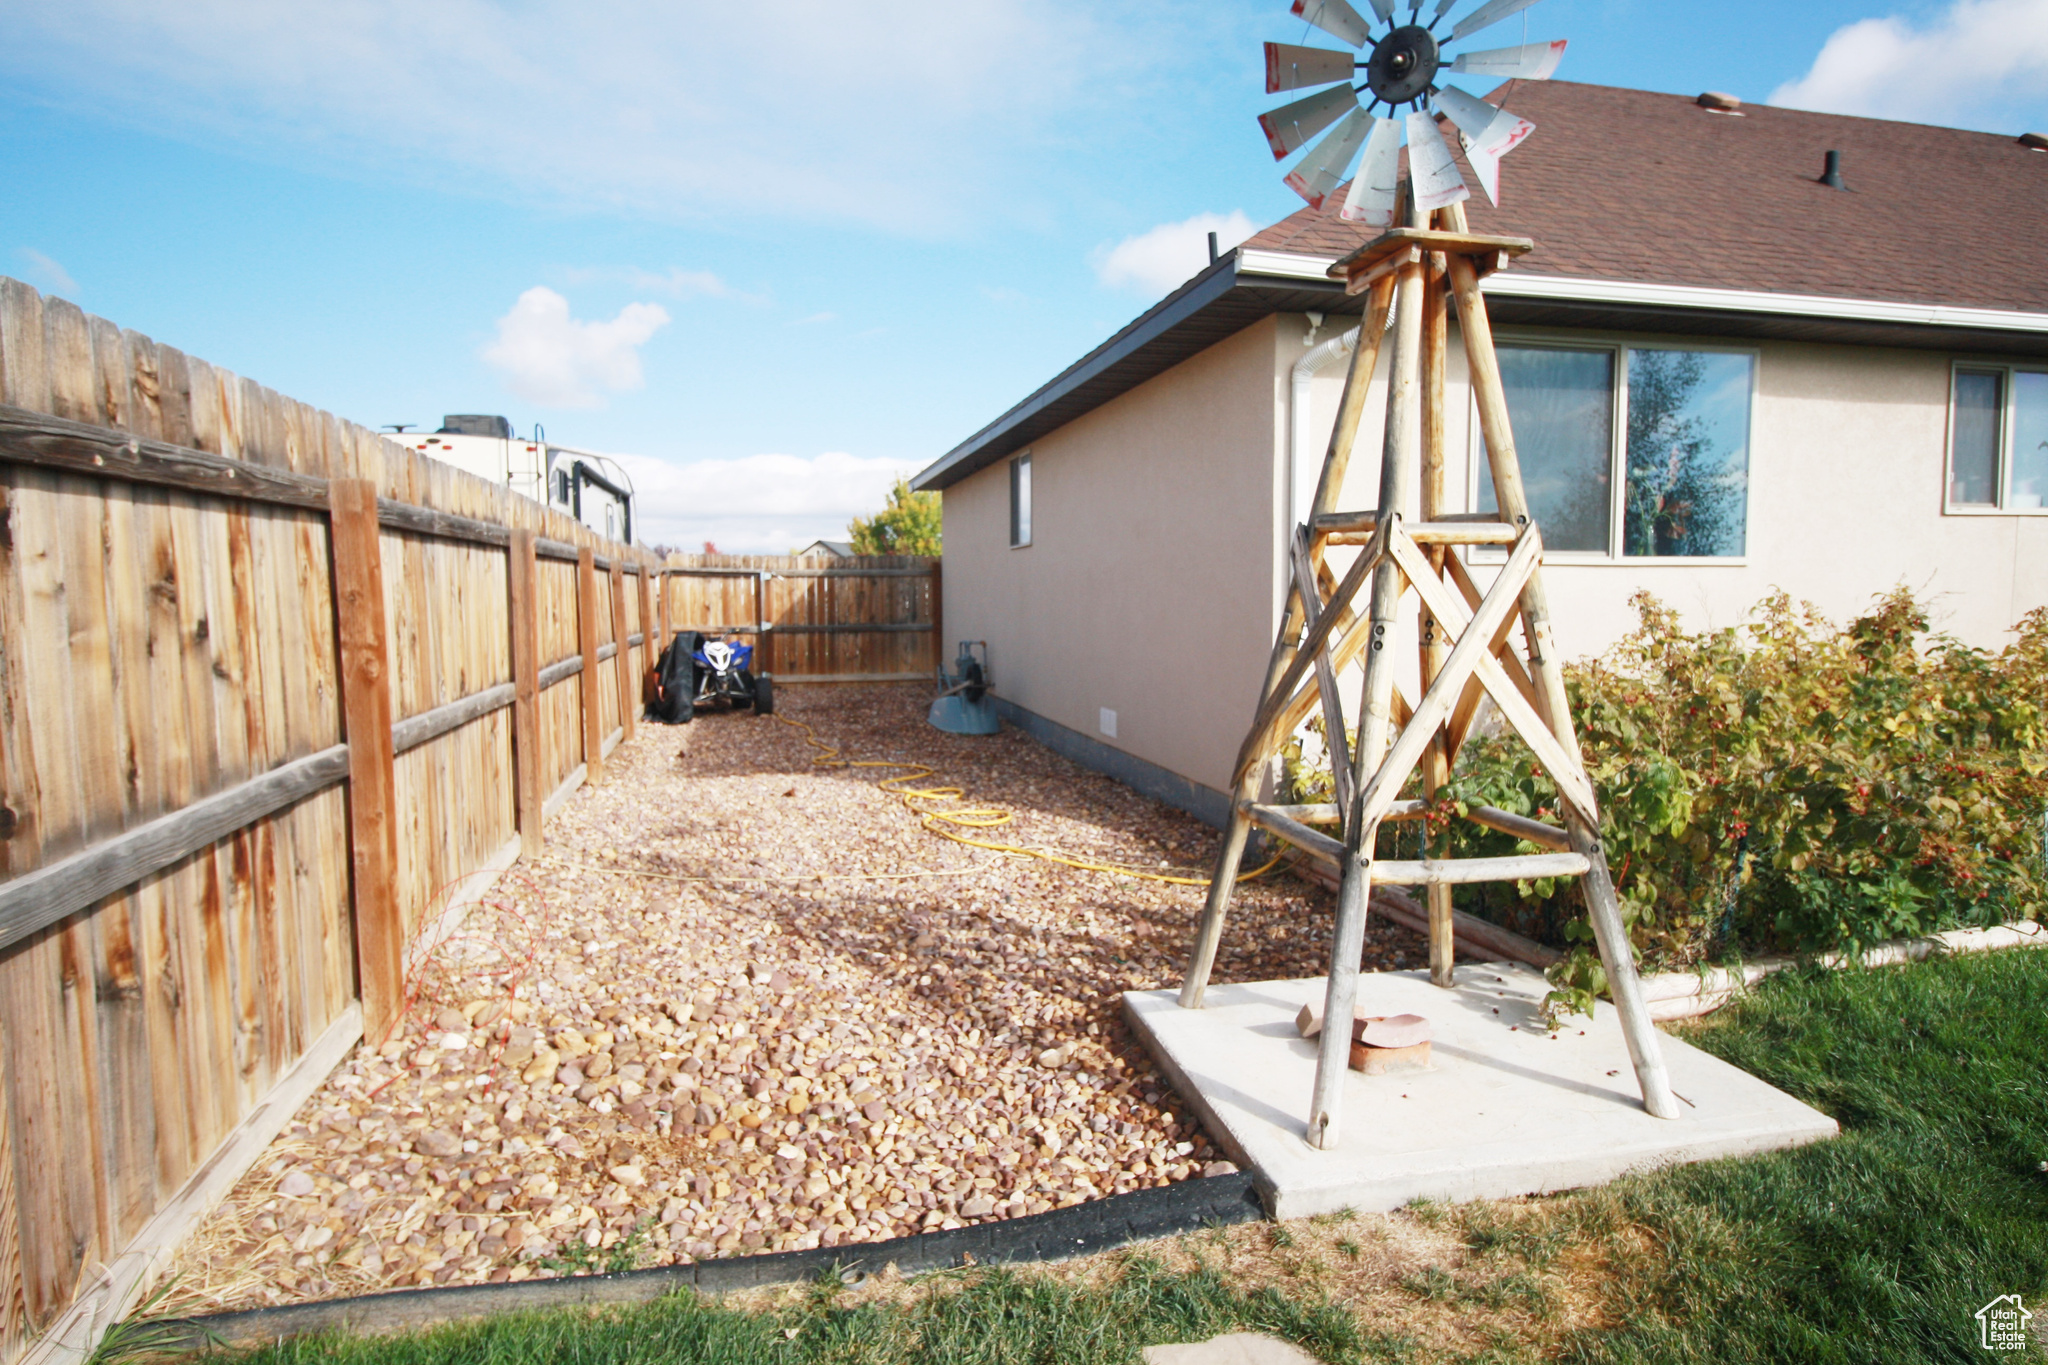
(1785, 784)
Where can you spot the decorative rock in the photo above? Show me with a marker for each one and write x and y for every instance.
(434, 1142)
(1401, 1030)
(912, 1079)
(295, 1185)
(1309, 1022)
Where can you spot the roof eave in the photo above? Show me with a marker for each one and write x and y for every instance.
(1247, 284)
(1267, 281)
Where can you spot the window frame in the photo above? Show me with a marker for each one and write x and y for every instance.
(2002, 465)
(1617, 480)
(1020, 463)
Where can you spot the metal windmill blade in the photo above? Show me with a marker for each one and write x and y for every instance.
(1402, 66)
(1488, 134)
(1431, 167)
(1322, 170)
(1375, 190)
(1339, 20)
(1297, 68)
(1289, 127)
(1529, 62)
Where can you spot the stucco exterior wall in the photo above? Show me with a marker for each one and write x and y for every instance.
(1152, 584)
(1148, 586)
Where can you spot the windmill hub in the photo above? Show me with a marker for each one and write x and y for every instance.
(1403, 65)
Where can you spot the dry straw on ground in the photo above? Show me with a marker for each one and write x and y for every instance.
(744, 1003)
(1516, 1276)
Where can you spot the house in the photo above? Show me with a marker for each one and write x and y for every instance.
(827, 549)
(1847, 383)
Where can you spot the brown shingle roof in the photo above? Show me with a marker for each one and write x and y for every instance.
(1629, 185)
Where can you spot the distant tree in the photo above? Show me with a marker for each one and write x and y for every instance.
(909, 525)
(1680, 500)
(710, 548)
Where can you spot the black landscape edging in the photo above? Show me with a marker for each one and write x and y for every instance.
(1058, 1234)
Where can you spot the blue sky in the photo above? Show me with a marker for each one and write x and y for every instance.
(787, 250)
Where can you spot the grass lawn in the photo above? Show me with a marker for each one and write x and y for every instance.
(1877, 1247)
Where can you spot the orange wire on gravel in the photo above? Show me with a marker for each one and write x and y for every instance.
(936, 818)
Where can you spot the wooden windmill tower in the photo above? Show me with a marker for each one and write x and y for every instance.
(1468, 638)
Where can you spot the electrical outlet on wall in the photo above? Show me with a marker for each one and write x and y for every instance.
(1108, 722)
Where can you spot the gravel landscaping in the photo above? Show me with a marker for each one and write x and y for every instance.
(746, 1003)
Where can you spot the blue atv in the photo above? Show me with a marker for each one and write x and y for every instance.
(696, 670)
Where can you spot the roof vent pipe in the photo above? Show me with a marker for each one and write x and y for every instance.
(1213, 253)
(1831, 176)
(2037, 141)
(1719, 102)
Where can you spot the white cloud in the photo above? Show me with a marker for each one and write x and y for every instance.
(675, 282)
(1971, 59)
(760, 504)
(552, 358)
(898, 113)
(1163, 259)
(46, 275)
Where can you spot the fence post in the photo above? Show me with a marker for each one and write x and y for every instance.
(624, 656)
(372, 780)
(586, 630)
(648, 650)
(522, 573)
(666, 634)
(938, 614)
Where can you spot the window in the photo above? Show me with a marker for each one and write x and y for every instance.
(1020, 501)
(1998, 440)
(1631, 451)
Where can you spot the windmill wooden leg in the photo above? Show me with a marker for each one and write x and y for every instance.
(1603, 907)
(1340, 997)
(1436, 764)
(1221, 884)
(1357, 384)
(1333, 1052)
(1223, 881)
(1375, 726)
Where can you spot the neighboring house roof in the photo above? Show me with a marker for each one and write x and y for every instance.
(838, 549)
(1651, 213)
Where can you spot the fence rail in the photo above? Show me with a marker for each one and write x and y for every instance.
(269, 684)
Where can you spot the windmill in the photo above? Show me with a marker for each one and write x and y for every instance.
(1493, 643)
(1401, 69)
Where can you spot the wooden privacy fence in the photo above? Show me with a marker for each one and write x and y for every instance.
(274, 692)
(871, 618)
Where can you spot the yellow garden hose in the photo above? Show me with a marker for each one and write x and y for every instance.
(933, 805)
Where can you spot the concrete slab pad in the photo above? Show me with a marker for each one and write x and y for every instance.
(1506, 1108)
